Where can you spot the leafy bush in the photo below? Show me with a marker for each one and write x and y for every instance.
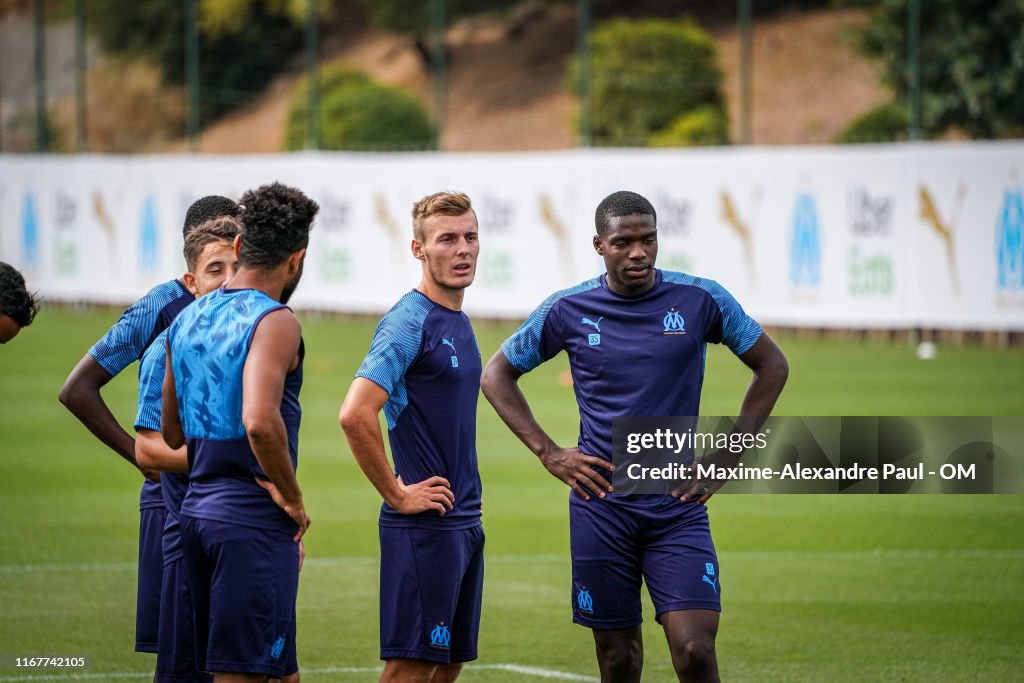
(331, 78)
(885, 123)
(702, 126)
(359, 114)
(644, 74)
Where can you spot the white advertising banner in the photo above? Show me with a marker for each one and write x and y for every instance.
(890, 236)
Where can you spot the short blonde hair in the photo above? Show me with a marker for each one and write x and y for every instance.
(445, 203)
(220, 229)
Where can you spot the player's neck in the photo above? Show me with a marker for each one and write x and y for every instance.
(444, 296)
(270, 282)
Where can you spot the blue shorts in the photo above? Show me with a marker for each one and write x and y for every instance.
(177, 655)
(621, 541)
(243, 582)
(431, 587)
(151, 569)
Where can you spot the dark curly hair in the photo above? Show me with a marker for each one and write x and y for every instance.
(206, 209)
(622, 203)
(276, 220)
(15, 299)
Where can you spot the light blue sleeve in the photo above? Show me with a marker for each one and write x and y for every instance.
(396, 343)
(524, 348)
(540, 337)
(125, 342)
(739, 330)
(151, 382)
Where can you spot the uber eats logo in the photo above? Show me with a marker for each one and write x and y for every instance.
(870, 268)
(335, 265)
(65, 256)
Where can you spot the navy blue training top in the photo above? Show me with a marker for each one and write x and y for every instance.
(632, 356)
(425, 356)
(134, 332)
(173, 485)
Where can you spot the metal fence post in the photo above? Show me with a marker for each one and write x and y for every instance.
(746, 86)
(914, 67)
(81, 129)
(312, 76)
(192, 72)
(583, 19)
(39, 35)
(438, 68)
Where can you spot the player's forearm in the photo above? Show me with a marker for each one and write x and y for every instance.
(502, 391)
(81, 396)
(170, 420)
(269, 441)
(771, 369)
(367, 445)
(152, 452)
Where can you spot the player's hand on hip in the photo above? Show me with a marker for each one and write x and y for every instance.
(302, 554)
(434, 493)
(298, 514)
(295, 510)
(576, 469)
(701, 489)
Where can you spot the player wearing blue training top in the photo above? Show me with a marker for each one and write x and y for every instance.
(635, 338)
(234, 362)
(122, 345)
(423, 371)
(210, 257)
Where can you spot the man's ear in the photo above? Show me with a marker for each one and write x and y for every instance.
(295, 260)
(190, 283)
(598, 247)
(237, 246)
(417, 249)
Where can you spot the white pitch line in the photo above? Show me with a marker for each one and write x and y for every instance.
(80, 567)
(532, 671)
(536, 672)
(72, 676)
(879, 553)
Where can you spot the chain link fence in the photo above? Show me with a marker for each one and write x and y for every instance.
(166, 72)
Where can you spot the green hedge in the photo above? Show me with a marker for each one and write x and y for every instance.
(331, 78)
(359, 114)
(885, 123)
(646, 73)
(702, 126)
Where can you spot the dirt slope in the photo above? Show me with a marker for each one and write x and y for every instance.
(506, 87)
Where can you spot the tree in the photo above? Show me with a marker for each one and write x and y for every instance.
(236, 58)
(644, 74)
(972, 62)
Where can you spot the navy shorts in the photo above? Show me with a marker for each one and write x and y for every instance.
(243, 582)
(177, 657)
(621, 541)
(431, 587)
(151, 570)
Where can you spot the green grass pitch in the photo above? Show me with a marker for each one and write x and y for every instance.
(816, 588)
